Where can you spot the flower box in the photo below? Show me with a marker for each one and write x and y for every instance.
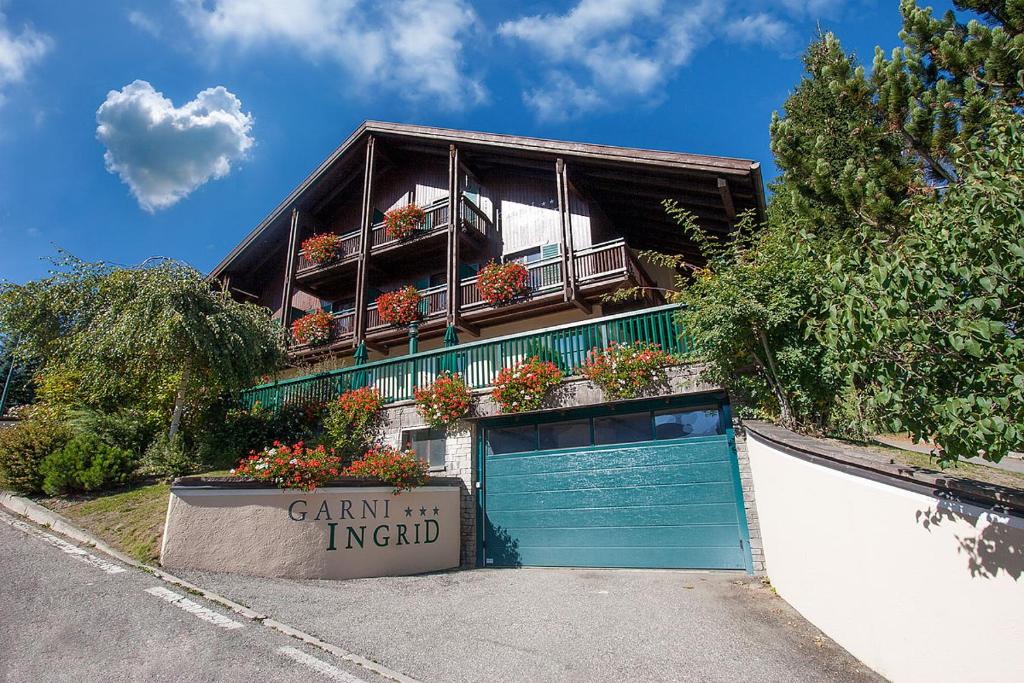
(322, 248)
(313, 328)
(401, 307)
(401, 223)
(502, 283)
(523, 387)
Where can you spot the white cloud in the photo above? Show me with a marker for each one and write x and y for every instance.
(562, 99)
(559, 35)
(414, 47)
(19, 51)
(760, 29)
(605, 50)
(144, 22)
(163, 152)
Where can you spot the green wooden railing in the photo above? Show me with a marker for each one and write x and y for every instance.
(481, 361)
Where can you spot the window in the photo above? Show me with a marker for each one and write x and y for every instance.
(622, 428)
(428, 444)
(525, 257)
(570, 434)
(684, 422)
(511, 440)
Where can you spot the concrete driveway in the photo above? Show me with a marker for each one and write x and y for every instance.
(557, 625)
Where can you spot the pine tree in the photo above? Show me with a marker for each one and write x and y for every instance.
(937, 91)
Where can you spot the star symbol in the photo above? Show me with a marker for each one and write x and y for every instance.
(435, 511)
(423, 512)
(408, 512)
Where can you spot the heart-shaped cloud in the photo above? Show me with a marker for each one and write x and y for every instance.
(163, 152)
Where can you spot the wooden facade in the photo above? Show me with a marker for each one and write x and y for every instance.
(574, 214)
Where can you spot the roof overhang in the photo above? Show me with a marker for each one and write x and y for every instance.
(744, 172)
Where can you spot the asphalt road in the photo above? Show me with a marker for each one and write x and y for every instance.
(579, 625)
(71, 614)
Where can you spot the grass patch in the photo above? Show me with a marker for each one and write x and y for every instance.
(130, 520)
(965, 470)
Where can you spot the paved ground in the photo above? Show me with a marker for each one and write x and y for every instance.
(68, 614)
(557, 625)
(72, 614)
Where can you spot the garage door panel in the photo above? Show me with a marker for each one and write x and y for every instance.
(699, 473)
(670, 504)
(625, 456)
(701, 535)
(653, 494)
(671, 557)
(661, 515)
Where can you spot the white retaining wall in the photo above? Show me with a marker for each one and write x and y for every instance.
(916, 587)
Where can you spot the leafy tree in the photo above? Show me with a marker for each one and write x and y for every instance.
(933, 321)
(18, 375)
(118, 335)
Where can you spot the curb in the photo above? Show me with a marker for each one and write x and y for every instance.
(23, 507)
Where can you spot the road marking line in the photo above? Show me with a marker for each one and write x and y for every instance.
(194, 608)
(69, 548)
(318, 665)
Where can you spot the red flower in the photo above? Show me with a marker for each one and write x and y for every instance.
(322, 247)
(501, 283)
(400, 307)
(402, 222)
(313, 328)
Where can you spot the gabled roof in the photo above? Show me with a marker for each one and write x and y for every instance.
(743, 171)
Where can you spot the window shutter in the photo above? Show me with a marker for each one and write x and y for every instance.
(468, 270)
(549, 251)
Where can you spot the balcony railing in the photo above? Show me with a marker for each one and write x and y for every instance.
(481, 361)
(343, 325)
(541, 277)
(349, 247)
(436, 218)
(433, 304)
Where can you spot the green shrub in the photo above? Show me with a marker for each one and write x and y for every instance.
(226, 432)
(127, 428)
(23, 448)
(86, 463)
(354, 420)
(169, 458)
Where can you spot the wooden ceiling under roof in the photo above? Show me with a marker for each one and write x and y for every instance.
(627, 184)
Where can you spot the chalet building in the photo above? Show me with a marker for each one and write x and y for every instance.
(653, 482)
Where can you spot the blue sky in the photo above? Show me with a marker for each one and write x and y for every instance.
(129, 130)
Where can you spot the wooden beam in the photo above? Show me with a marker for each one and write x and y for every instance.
(364, 245)
(468, 327)
(563, 242)
(342, 185)
(730, 209)
(452, 254)
(289, 270)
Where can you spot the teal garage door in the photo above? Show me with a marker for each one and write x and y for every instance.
(644, 488)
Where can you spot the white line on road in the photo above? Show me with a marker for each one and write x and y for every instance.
(71, 549)
(318, 665)
(194, 608)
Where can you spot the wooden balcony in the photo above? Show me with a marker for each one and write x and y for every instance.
(311, 274)
(433, 305)
(343, 326)
(599, 269)
(472, 221)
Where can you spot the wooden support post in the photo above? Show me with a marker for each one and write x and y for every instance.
(727, 203)
(364, 246)
(569, 288)
(452, 272)
(289, 270)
